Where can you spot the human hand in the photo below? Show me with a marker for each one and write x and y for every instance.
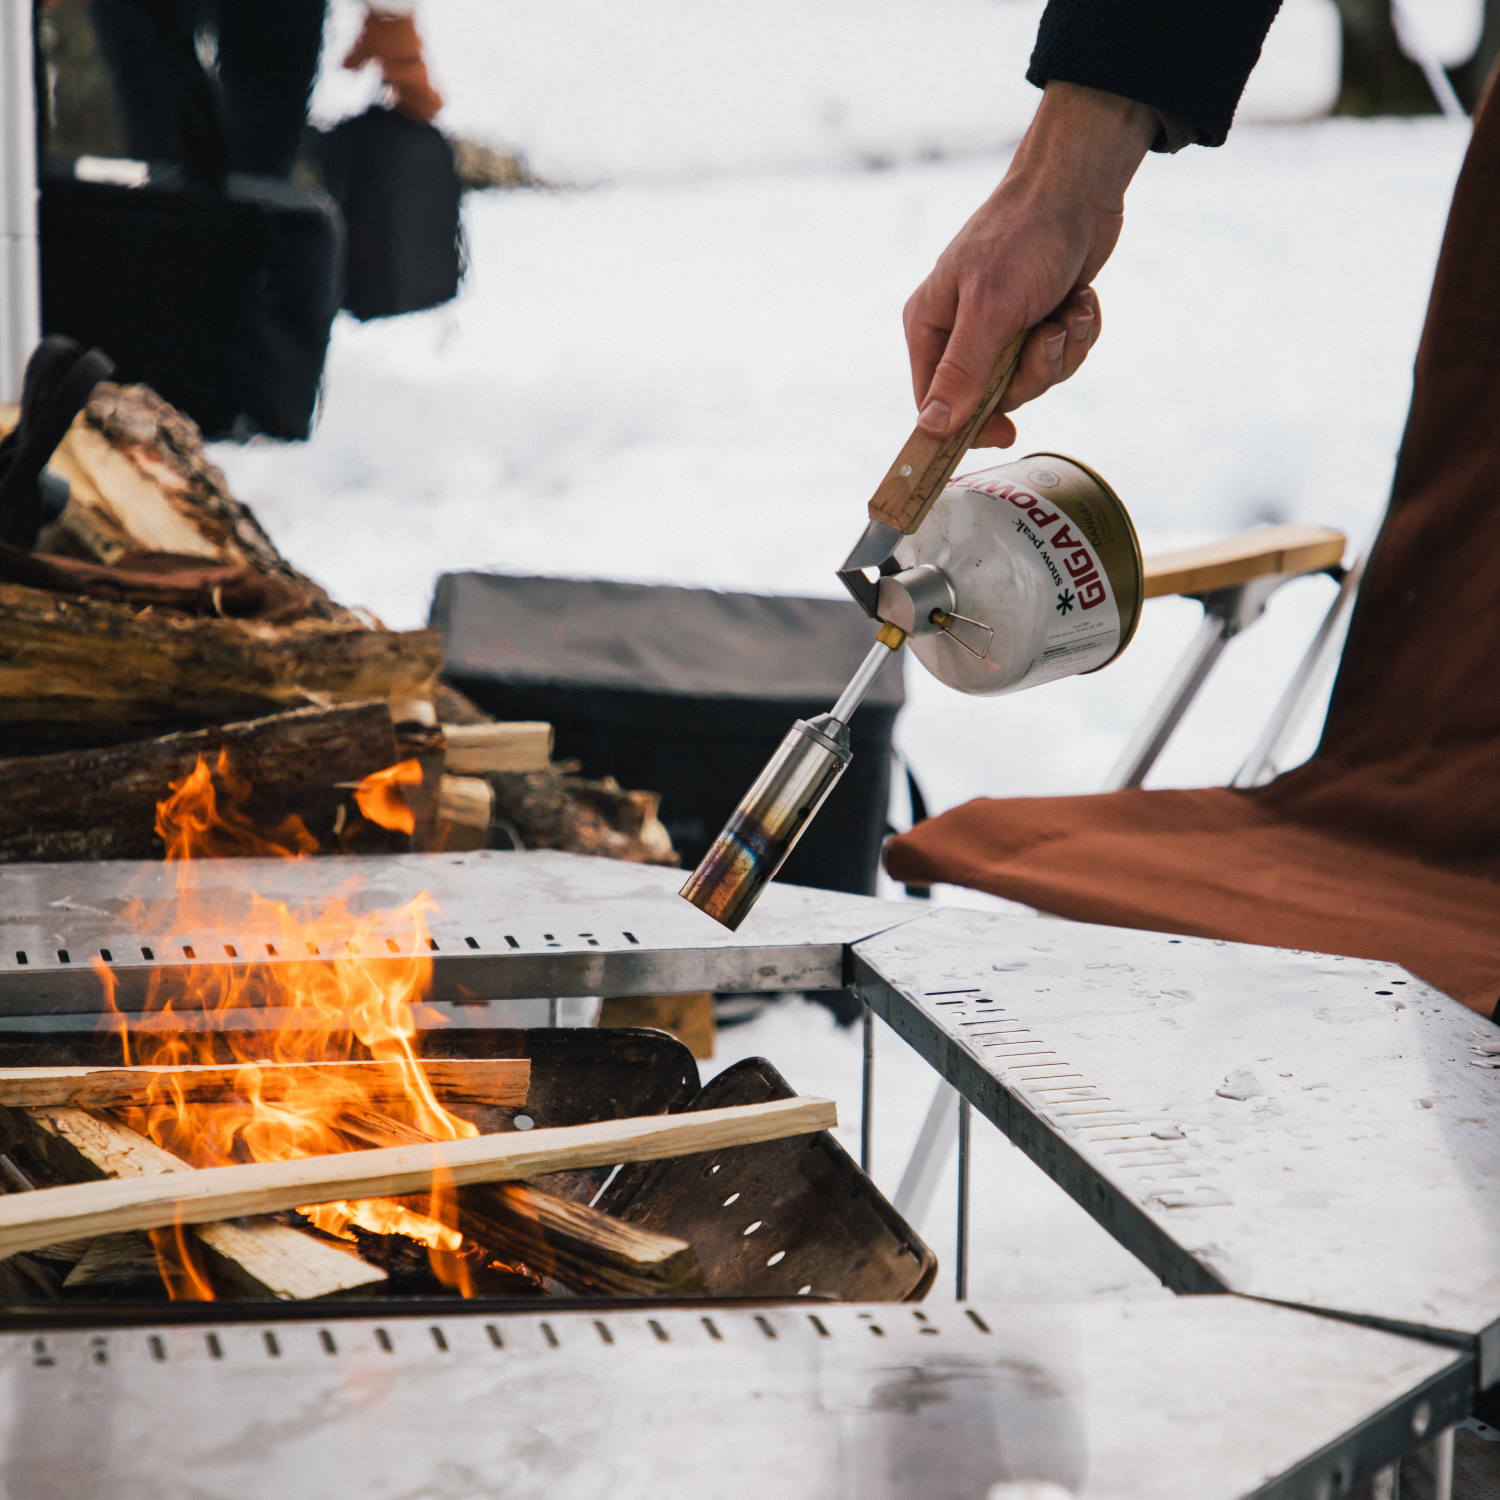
(389, 37)
(1025, 260)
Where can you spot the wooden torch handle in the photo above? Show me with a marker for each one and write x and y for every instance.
(927, 463)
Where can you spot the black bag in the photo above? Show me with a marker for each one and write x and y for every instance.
(220, 297)
(685, 692)
(396, 181)
(217, 289)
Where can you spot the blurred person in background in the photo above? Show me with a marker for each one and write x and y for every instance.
(265, 55)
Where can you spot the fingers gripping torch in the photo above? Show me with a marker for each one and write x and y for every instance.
(1006, 579)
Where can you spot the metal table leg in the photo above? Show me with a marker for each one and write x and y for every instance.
(961, 1254)
(867, 1094)
(919, 1181)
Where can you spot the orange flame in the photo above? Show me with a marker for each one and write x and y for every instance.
(379, 797)
(337, 985)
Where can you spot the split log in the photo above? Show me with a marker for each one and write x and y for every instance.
(552, 810)
(587, 1251)
(114, 1262)
(474, 749)
(690, 1018)
(83, 1210)
(457, 1080)
(165, 448)
(76, 671)
(461, 817)
(101, 804)
(258, 1259)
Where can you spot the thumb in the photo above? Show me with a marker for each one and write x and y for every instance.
(964, 370)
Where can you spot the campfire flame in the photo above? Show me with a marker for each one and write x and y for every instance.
(349, 993)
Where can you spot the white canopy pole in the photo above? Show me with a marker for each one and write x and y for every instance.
(20, 290)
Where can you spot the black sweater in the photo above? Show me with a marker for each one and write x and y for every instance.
(1187, 59)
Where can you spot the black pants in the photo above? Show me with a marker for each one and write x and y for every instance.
(267, 53)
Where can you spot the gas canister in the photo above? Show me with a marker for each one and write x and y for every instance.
(1017, 576)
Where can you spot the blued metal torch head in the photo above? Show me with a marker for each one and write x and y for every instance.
(770, 819)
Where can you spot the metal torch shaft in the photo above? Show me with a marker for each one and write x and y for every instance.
(775, 812)
(864, 678)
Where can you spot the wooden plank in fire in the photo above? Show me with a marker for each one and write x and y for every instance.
(29, 1221)
(257, 1258)
(457, 1080)
(587, 1250)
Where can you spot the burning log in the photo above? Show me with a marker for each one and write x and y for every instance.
(79, 671)
(456, 1080)
(258, 1259)
(29, 1221)
(588, 1251)
(101, 804)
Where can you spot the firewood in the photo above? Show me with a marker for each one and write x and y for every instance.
(113, 1261)
(161, 445)
(101, 804)
(587, 1251)
(462, 816)
(85, 671)
(690, 1018)
(458, 1080)
(552, 810)
(473, 749)
(257, 1259)
(31, 1220)
(118, 494)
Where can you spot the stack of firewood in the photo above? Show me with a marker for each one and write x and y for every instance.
(156, 623)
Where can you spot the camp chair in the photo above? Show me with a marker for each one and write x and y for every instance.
(1386, 843)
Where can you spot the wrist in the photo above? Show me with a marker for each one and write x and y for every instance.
(1085, 143)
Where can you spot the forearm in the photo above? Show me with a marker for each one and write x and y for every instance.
(1082, 149)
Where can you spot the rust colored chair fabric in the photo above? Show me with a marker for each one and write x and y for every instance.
(1386, 844)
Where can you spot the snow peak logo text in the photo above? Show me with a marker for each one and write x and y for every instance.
(1071, 548)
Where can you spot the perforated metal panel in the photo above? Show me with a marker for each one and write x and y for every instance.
(500, 926)
(1199, 1399)
(1287, 1125)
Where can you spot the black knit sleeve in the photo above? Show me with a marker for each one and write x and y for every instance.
(1189, 59)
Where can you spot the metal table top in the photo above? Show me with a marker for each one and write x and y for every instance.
(505, 925)
(795, 1401)
(1285, 1125)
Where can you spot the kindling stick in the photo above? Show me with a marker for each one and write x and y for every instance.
(82, 1210)
(459, 1080)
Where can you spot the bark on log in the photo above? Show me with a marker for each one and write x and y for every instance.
(589, 1252)
(258, 1259)
(29, 1221)
(101, 804)
(77, 671)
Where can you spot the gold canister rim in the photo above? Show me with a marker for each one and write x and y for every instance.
(1128, 580)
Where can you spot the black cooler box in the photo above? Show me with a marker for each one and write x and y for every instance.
(685, 692)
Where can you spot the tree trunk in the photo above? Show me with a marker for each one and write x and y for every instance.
(1378, 78)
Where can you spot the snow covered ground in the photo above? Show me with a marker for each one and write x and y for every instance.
(696, 374)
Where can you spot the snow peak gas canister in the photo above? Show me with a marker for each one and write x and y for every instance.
(1018, 575)
(1006, 579)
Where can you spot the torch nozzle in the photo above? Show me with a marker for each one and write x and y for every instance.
(775, 812)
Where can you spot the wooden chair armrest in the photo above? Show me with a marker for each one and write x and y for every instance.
(1255, 554)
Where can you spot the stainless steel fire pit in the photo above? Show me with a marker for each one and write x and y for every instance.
(1208, 1398)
